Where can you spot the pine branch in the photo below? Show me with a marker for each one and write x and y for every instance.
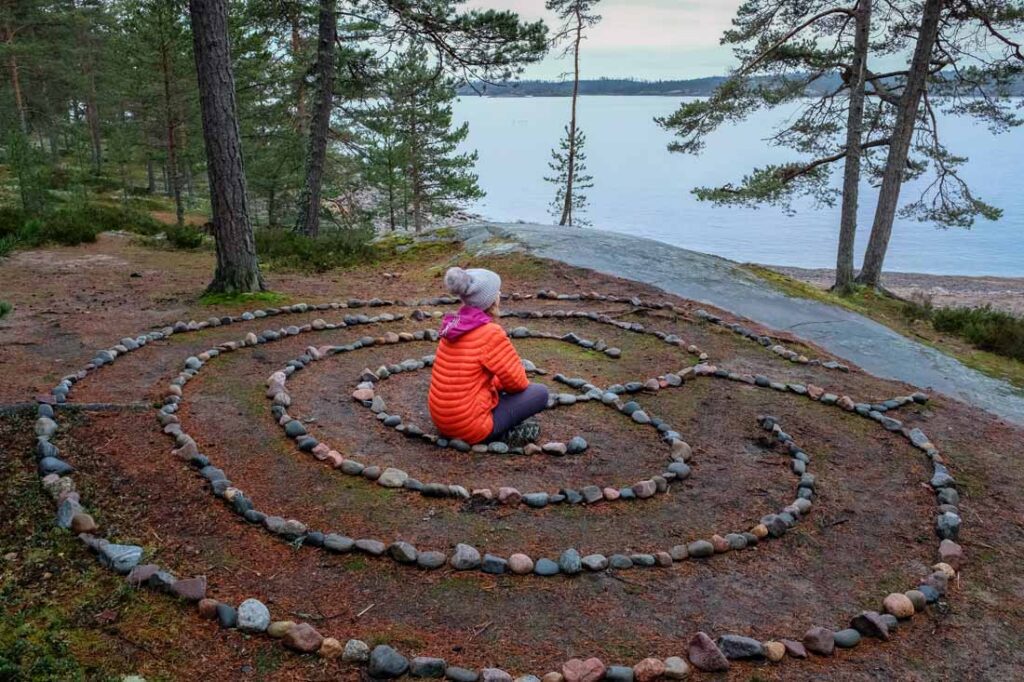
(785, 38)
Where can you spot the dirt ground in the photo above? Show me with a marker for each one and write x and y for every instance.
(869, 533)
(945, 291)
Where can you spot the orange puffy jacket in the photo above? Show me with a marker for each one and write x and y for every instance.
(468, 373)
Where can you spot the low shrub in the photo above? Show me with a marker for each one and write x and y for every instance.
(335, 248)
(107, 217)
(31, 233)
(8, 244)
(5, 308)
(11, 220)
(184, 237)
(991, 330)
(68, 226)
(919, 307)
(100, 183)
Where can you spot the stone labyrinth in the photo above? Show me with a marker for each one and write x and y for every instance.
(623, 401)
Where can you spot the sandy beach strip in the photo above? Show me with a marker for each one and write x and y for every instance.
(1003, 293)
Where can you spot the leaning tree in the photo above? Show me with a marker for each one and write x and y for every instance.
(968, 54)
(816, 56)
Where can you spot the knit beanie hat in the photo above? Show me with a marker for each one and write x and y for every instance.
(476, 287)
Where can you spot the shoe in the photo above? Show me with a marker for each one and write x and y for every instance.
(519, 435)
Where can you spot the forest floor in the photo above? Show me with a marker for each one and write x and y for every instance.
(869, 533)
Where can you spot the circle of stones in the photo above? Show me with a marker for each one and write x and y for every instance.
(465, 556)
(678, 469)
(385, 661)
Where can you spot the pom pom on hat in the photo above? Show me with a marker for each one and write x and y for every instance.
(476, 287)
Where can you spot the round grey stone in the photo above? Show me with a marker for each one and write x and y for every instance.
(569, 562)
(545, 567)
(576, 445)
(700, 549)
(424, 666)
(620, 561)
(465, 558)
(402, 552)
(387, 663)
(356, 651)
(338, 543)
(253, 616)
(457, 674)
(848, 638)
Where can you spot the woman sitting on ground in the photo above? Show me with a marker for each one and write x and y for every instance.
(479, 390)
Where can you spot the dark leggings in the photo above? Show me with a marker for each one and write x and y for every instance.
(513, 408)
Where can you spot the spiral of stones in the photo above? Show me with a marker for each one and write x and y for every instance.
(704, 653)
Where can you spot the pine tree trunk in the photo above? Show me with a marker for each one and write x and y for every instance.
(92, 117)
(571, 171)
(172, 147)
(308, 222)
(392, 218)
(899, 146)
(150, 177)
(184, 162)
(854, 135)
(12, 65)
(415, 176)
(237, 267)
(300, 81)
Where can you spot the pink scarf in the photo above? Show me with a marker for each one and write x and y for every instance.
(468, 318)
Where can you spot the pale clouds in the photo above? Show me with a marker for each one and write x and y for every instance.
(641, 38)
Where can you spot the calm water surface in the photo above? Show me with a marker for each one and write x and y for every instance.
(642, 189)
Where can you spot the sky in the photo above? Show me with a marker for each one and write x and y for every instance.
(647, 39)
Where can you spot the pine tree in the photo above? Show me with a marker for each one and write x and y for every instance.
(570, 178)
(270, 85)
(413, 159)
(966, 55)
(786, 47)
(790, 49)
(308, 222)
(158, 58)
(385, 160)
(473, 43)
(576, 16)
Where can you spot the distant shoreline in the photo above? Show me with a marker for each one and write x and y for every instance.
(1002, 293)
(626, 87)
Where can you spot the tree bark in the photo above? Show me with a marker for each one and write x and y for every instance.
(271, 206)
(150, 177)
(308, 222)
(415, 175)
(184, 164)
(854, 135)
(172, 147)
(571, 163)
(237, 266)
(300, 81)
(92, 117)
(899, 148)
(12, 65)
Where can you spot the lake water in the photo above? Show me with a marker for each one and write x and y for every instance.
(642, 189)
